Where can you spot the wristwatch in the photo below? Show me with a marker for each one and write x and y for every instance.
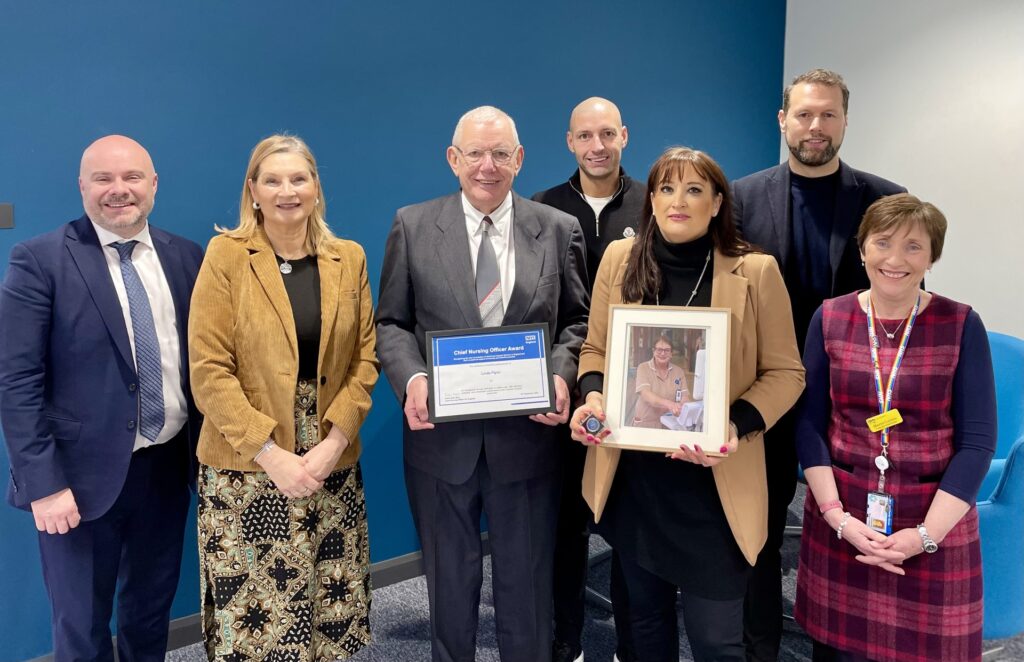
(927, 543)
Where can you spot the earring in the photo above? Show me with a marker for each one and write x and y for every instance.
(317, 201)
(255, 205)
(862, 263)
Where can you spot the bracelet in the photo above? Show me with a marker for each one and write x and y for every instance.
(829, 505)
(839, 531)
(263, 449)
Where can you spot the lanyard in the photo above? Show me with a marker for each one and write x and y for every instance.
(885, 397)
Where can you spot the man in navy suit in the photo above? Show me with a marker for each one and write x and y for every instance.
(805, 212)
(96, 409)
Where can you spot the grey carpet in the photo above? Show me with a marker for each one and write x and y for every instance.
(401, 629)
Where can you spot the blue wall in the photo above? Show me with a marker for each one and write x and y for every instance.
(375, 88)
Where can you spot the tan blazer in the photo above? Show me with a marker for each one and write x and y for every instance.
(765, 370)
(244, 354)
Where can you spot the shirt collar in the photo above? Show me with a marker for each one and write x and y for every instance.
(107, 237)
(500, 217)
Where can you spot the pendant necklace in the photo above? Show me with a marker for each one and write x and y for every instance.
(890, 336)
(287, 269)
(707, 261)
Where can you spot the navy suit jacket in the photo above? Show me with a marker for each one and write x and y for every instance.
(68, 386)
(427, 284)
(761, 207)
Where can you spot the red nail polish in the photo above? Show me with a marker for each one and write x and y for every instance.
(698, 448)
(724, 449)
(591, 437)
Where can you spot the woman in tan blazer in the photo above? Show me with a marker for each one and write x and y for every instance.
(690, 520)
(281, 344)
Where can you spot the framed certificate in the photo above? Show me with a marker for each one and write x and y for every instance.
(489, 372)
(666, 378)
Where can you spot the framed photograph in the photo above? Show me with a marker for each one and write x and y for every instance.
(666, 379)
(489, 372)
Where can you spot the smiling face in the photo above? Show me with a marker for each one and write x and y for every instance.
(813, 126)
(118, 185)
(896, 262)
(597, 137)
(683, 206)
(486, 183)
(285, 189)
(662, 354)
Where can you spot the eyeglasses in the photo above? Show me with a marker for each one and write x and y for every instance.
(662, 350)
(499, 156)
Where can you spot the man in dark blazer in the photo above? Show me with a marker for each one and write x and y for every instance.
(505, 467)
(805, 212)
(96, 410)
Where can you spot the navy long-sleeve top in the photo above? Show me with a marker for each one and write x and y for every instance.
(973, 409)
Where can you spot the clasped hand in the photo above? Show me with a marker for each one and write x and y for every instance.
(298, 477)
(877, 549)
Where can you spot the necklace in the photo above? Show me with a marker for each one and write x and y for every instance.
(287, 269)
(707, 261)
(890, 335)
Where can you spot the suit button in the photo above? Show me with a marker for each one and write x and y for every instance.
(132, 387)
(323, 380)
(131, 425)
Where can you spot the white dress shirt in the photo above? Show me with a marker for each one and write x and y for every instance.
(147, 264)
(501, 240)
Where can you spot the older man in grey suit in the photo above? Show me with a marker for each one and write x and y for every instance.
(503, 467)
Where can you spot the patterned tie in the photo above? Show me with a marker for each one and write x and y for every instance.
(147, 348)
(488, 279)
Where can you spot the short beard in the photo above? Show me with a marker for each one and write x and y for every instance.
(814, 158)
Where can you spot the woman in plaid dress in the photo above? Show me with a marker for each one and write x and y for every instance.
(901, 581)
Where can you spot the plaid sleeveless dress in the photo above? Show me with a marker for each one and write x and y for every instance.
(935, 611)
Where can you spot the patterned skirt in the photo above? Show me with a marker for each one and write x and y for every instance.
(284, 579)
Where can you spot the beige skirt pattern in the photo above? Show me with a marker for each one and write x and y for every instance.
(284, 580)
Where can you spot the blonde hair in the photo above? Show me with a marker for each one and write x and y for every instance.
(318, 234)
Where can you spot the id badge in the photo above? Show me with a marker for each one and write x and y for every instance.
(679, 395)
(880, 508)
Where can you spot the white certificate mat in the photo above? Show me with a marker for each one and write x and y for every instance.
(488, 373)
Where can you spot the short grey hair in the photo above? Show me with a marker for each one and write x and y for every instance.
(484, 114)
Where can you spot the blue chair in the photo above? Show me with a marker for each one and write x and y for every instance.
(1001, 516)
(1008, 365)
(1001, 519)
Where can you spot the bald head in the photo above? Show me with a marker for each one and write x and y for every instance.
(595, 106)
(597, 137)
(118, 184)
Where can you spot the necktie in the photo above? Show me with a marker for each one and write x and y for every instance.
(147, 348)
(488, 279)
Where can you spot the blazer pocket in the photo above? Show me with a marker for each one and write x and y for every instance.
(63, 429)
(348, 294)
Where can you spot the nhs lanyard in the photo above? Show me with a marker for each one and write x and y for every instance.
(885, 397)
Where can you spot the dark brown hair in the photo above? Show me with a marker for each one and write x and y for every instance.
(895, 213)
(643, 275)
(818, 77)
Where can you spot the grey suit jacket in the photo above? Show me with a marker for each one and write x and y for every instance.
(427, 284)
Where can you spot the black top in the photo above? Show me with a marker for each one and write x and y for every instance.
(619, 219)
(665, 514)
(303, 287)
(813, 217)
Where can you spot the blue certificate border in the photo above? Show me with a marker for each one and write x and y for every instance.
(432, 341)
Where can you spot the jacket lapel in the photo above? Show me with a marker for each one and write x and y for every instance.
(843, 227)
(174, 274)
(778, 206)
(264, 265)
(452, 249)
(329, 265)
(85, 249)
(729, 290)
(529, 261)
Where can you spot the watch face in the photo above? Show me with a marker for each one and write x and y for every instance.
(930, 546)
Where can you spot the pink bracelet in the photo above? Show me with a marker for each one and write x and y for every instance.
(829, 505)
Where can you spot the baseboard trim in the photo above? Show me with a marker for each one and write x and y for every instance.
(187, 630)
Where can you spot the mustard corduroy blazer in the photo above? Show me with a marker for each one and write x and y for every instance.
(244, 355)
(765, 370)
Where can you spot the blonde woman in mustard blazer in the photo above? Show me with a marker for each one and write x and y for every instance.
(691, 521)
(281, 344)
